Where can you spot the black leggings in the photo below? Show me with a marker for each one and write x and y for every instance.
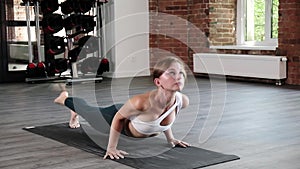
(98, 117)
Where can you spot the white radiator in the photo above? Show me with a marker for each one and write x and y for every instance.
(258, 66)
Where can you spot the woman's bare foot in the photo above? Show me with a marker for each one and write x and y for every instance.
(74, 120)
(61, 98)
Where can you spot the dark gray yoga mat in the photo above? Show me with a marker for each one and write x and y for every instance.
(175, 158)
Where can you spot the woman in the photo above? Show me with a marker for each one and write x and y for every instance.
(144, 115)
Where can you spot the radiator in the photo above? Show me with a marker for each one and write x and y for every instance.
(258, 66)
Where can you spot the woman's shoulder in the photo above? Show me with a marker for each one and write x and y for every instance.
(184, 99)
(140, 101)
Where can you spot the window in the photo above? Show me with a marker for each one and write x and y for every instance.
(15, 14)
(257, 22)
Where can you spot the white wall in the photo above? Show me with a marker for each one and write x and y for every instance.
(127, 38)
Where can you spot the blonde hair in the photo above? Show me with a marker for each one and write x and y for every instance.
(162, 65)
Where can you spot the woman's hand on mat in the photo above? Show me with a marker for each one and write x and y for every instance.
(175, 142)
(113, 153)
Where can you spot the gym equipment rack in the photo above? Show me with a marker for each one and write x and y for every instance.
(53, 22)
(78, 56)
(36, 72)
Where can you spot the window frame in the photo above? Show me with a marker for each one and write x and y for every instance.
(240, 27)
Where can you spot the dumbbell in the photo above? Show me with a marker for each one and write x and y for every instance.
(49, 6)
(52, 23)
(41, 70)
(31, 70)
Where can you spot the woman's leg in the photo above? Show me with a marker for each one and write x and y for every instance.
(98, 117)
(74, 120)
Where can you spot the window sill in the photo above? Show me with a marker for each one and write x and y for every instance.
(245, 47)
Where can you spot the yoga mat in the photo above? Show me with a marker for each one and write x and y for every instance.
(175, 158)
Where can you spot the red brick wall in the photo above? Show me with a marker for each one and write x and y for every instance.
(222, 23)
(165, 33)
(182, 34)
(289, 37)
(198, 16)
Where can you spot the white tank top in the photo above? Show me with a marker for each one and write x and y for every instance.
(153, 127)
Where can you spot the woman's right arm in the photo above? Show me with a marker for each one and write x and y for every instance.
(114, 135)
(130, 108)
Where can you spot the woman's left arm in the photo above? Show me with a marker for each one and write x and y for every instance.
(169, 134)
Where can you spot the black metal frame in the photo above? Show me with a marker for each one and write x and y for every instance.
(3, 45)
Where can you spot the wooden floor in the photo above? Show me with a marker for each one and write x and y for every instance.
(258, 122)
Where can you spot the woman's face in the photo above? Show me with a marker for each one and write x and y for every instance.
(173, 78)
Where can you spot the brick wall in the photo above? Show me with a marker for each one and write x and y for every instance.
(166, 31)
(289, 37)
(222, 23)
(182, 33)
(198, 16)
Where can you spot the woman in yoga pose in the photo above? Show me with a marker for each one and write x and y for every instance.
(143, 115)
